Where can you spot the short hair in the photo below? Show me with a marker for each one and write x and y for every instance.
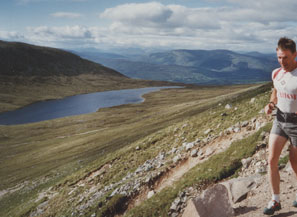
(285, 43)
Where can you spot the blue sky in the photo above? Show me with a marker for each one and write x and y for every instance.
(251, 25)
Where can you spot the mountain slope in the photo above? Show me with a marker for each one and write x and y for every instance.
(29, 60)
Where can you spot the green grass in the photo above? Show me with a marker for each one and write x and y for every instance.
(66, 150)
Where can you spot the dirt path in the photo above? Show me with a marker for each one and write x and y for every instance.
(258, 198)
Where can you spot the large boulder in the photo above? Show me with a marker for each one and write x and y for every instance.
(239, 188)
(214, 202)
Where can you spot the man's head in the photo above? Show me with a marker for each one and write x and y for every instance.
(286, 53)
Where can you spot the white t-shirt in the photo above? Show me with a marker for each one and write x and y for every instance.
(285, 84)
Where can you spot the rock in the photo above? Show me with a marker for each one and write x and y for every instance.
(229, 130)
(150, 194)
(214, 202)
(185, 125)
(244, 124)
(137, 148)
(246, 162)
(236, 129)
(262, 111)
(253, 100)
(235, 108)
(173, 207)
(161, 156)
(224, 114)
(176, 158)
(194, 153)
(173, 150)
(207, 131)
(116, 191)
(228, 106)
(189, 146)
(261, 170)
(239, 188)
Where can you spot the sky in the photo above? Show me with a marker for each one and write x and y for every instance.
(238, 25)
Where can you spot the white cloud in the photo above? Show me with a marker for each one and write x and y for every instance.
(157, 15)
(60, 33)
(34, 1)
(148, 14)
(239, 25)
(66, 15)
(11, 36)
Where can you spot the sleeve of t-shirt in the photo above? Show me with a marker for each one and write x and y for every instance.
(275, 73)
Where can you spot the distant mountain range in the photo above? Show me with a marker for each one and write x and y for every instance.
(191, 66)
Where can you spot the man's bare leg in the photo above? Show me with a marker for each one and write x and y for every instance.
(276, 144)
(293, 158)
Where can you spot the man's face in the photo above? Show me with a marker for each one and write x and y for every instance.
(286, 59)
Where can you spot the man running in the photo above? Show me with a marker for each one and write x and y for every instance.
(284, 99)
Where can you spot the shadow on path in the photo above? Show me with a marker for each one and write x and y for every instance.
(244, 210)
(287, 214)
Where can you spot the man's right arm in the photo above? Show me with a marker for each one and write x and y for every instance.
(273, 101)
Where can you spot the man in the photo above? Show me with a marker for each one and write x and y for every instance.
(284, 99)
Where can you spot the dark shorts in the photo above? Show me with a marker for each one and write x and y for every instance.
(285, 125)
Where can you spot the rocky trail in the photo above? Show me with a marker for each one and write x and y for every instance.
(214, 146)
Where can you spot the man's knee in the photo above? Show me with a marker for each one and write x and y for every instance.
(293, 154)
(273, 162)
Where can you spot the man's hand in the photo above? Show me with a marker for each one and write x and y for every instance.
(269, 108)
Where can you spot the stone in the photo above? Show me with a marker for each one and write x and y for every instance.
(262, 111)
(207, 131)
(214, 202)
(261, 170)
(173, 150)
(246, 162)
(173, 207)
(176, 158)
(150, 194)
(236, 129)
(189, 146)
(253, 100)
(244, 124)
(194, 153)
(116, 191)
(238, 188)
(137, 148)
(228, 106)
(229, 130)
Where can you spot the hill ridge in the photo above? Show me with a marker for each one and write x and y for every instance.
(21, 59)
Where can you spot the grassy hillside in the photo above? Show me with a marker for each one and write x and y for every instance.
(37, 156)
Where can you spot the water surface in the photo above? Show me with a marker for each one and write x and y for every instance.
(74, 105)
